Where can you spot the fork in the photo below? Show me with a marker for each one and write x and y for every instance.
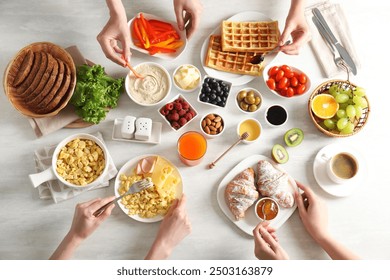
(336, 56)
(134, 188)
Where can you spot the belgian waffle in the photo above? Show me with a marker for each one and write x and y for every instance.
(260, 36)
(233, 62)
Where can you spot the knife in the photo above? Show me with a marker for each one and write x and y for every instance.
(342, 51)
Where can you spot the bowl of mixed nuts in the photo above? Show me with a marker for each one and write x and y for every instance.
(212, 125)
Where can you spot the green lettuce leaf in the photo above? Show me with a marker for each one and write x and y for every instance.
(95, 92)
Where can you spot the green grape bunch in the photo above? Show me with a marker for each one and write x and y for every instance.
(351, 107)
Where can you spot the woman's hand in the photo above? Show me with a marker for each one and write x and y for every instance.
(188, 15)
(116, 31)
(266, 243)
(313, 213)
(173, 229)
(296, 27)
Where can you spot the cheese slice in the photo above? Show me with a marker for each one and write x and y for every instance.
(162, 170)
(169, 187)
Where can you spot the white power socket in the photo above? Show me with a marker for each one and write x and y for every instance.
(128, 127)
(143, 129)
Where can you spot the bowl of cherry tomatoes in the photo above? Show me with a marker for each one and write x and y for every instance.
(286, 81)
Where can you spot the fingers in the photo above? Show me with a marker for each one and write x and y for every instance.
(179, 16)
(100, 202)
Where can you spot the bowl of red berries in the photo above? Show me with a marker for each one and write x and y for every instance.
(286, 81)
(178, 112)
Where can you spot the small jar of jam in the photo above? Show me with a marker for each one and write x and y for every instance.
(267, 209)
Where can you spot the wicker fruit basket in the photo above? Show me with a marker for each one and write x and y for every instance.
(28, 96)
(323, 88)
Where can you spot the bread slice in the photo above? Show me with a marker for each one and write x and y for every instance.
(24, 68)
(40, 94)
(51, 64)
(38, 77)
(59, 94)
(31, 75)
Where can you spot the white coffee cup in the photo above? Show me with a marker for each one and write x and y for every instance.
(341, 167)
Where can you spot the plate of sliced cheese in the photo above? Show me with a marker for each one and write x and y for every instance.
(239, 191)
(152, 204)
(239, 34)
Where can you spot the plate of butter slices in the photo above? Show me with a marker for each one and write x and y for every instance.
(239, 191)
(233, 65)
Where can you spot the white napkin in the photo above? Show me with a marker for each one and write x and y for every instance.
(55, 189)
(335, 17)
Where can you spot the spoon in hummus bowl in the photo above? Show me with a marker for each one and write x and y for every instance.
(133, 70)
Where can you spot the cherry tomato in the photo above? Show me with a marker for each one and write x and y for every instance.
(293, 81)
(285, 68)
(302, 78)
(282, 82)
(273, 70)
(289, 74)
(290, 92)
(271, 84)
(301, 89)
(279, 75)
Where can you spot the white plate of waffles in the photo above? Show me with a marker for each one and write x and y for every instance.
(250, 221)
(235, 79)
(128, 169)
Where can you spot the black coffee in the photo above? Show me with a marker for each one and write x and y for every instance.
(276, 115)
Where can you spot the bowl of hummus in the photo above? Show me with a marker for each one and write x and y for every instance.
(153, 88)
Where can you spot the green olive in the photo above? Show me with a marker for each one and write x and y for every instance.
(244, 106)
(250, 99)
(252, 108)
(241, 95)
(251, 93)
(257, 100)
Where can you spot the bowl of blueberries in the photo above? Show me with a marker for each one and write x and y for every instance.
(214, 92)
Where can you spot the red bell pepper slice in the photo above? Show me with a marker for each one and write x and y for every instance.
(157, 24)
(148, 28)
(137, 31)
(153, 50)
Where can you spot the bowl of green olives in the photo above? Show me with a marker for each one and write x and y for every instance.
(249, 100)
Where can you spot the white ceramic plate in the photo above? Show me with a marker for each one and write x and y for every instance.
(235, 79)
(322, 178)
(128, 169)
(168, 56)
(251, 221)
(155, 137)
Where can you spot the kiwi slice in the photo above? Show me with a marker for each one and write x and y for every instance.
(279, 154)
(293, 137)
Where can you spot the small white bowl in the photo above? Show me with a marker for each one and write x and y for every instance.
(257, 94)
(267, 111)
(254, 122)
(260, 202)
(191, 108)
(294, 69)
(209, 135)
(150, 71)
(205, 79)
(196, 83)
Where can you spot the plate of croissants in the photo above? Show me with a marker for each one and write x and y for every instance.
(253, 178)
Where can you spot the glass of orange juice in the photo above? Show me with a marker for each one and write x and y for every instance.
(191, 147)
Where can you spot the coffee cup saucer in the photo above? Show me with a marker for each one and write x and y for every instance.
(322, 178)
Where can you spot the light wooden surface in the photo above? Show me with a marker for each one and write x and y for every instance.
(32, 228)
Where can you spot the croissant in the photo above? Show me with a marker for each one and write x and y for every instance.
(273, 183)
(241, 193)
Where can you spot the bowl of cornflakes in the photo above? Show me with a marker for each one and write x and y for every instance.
(78, 161)
(149, 205)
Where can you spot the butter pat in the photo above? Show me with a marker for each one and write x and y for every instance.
(187, 77)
